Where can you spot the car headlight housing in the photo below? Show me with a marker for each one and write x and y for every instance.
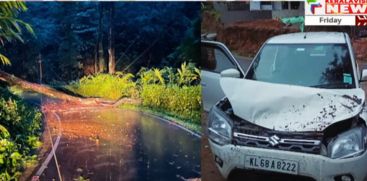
(348, 144)
(219, 128)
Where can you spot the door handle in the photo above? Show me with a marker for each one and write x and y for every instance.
(203, 84)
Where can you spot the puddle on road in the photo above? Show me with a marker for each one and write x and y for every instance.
(114, 144)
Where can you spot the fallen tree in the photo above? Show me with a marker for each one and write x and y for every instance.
(51, 92)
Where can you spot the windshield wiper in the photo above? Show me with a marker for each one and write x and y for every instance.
(334, 85)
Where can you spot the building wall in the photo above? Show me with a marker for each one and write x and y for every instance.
(278, 13)
(254, 11)
(286, 13)
(277, 6)
(255, 5)
(231, 16)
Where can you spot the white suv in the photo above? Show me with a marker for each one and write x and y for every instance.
(298, 111)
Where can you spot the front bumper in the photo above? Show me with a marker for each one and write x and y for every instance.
(315, 166)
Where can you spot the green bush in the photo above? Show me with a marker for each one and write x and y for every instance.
(183, 102)
(11, 161)
(105, 86)
(175, 92)
(20, 129)
(186, 75)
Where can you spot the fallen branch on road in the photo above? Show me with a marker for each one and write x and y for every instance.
(51, 92)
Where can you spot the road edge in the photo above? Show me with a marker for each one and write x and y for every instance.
(171, 121)
(45, 163)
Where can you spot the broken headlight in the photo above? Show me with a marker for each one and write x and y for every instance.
(219, 128)
(348, 144)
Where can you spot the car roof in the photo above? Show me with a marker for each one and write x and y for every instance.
(308, 37)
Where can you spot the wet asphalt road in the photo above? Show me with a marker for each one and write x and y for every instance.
(115, 144)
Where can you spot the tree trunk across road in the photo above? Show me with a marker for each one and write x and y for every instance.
(51, 92)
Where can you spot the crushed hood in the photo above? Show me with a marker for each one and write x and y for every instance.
(291, 108)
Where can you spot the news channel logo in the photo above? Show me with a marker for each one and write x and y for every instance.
(336, 12)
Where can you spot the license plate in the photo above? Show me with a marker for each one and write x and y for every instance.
(272, 164)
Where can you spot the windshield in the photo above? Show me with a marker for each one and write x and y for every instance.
(311, 65)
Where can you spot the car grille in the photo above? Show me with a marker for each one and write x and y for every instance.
(248, 134)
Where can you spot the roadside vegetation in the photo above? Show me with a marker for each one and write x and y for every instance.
(20, 129)
(175, 92)
(20, 123)
(108, 51)
(106, 86)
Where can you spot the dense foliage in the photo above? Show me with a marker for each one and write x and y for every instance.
(74, 41)
(20, 124)
(20, 129)
(175, 92)
(105, 85)
(11, 26)
(169, 90)
(183, 102)
(146, 34)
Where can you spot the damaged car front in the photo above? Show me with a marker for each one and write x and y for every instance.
(299, 112)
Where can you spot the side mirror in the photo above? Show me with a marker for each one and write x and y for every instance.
(364, 75)
(234, 73)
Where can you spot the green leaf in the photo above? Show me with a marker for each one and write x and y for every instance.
(4, 133)
(4, 60)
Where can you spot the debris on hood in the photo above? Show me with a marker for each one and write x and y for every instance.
(291, 108)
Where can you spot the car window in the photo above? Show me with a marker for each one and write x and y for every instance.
(312, 65)
(214, 59)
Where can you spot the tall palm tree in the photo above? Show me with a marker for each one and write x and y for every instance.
(11, 28)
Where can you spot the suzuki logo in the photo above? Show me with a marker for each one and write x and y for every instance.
(274, 140)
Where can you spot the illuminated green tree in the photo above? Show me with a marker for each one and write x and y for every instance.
(11, 28)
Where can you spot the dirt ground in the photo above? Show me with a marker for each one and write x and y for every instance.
(246, 38)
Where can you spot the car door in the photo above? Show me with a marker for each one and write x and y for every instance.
(215, 57)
